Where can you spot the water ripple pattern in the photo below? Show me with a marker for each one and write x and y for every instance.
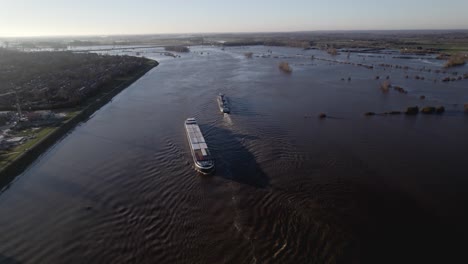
(288, 187)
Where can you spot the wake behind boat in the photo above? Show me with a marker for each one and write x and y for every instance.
(202, 158)
(223, 104)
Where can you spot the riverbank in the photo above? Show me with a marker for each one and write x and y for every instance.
(24, 154)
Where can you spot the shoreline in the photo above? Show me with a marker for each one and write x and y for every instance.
(21, 162)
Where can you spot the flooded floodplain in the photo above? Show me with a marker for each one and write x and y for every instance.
(289, 187)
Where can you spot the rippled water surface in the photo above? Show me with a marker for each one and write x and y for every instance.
(289, 187)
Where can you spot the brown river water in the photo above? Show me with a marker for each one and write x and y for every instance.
(288, 188)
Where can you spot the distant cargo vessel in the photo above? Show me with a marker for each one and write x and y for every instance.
(202, 158)
(223, 104)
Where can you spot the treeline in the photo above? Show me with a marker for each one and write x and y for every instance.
(48, 80)
(177, 48)
(272, 43)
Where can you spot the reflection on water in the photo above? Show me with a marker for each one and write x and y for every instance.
(234, 161)
(289, 187)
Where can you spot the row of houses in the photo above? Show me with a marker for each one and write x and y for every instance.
(33, 119)
(64, 84)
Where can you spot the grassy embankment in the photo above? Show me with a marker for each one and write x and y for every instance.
(15, 160)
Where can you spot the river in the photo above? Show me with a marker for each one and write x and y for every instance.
(289, 187)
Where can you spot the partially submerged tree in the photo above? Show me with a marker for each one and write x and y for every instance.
(456, 60)
(248, 55)
(385, 86)
(332, 51)
(284, 66)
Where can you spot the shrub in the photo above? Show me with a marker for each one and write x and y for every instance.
(412, 110)
(428, 110)
(440, 109)
(400, 89)
(284, 66)
(385, 86)
(456, 60)
(332, 51)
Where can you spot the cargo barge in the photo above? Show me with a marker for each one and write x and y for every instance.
(202, 158)
(223, 104)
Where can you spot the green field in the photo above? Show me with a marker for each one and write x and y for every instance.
(7, 157)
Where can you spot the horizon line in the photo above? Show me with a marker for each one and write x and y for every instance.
(227, 32)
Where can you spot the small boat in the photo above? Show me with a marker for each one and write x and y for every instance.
(202, 158)
(223, 104)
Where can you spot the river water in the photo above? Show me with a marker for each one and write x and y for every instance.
(288, 188)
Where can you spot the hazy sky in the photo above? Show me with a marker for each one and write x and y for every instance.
(83, 17)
